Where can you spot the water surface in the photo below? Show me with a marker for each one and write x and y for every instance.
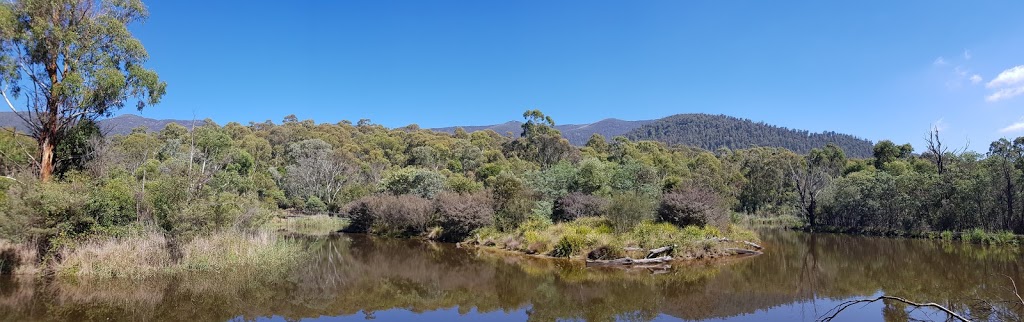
(354, 277)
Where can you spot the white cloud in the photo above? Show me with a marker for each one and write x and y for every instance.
(1015, 127)
(940, 125)
(939, 61)
(1008, 77)
(975, 79)
(1005, 93)
(967, 54)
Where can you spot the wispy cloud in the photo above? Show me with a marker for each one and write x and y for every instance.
(940, 125)
(967, 54)
(1008, 77)
(1015, 127)
(1005, 93)
(940, 61)
(976, 79)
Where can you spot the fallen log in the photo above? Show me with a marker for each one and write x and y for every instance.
(654, 252)
(629, 261)
(726, 240)
(756, 246)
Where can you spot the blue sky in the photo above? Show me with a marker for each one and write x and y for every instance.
(876, 69)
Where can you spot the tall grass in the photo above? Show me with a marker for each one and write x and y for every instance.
(317, 225)
(233, 251)
(147, 255)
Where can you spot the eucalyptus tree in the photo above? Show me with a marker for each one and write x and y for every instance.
(69, 61)
(540, 142)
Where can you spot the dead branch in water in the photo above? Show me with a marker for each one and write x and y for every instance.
(831, 314)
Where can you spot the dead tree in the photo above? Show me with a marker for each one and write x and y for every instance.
(936, 151)
(809, 180)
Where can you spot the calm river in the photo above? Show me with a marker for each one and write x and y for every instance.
(352, 278)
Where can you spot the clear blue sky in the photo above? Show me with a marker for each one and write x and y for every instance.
(876, 69)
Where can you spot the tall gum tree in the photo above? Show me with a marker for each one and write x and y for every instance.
(71, 60)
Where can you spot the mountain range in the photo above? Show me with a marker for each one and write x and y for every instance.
(705, 131)
(121, 124)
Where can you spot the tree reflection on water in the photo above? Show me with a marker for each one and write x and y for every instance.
(800, 276)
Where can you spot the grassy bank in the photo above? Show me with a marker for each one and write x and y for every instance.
(148, 254)
(595, 238)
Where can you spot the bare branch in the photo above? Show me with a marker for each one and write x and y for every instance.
(1015, 293)
(831, 314)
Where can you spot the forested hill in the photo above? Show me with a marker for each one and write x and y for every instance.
(577, 134)
(716, 131)
(700, 130)
(122, 124)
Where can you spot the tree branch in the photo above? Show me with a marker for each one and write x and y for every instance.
(831, 314)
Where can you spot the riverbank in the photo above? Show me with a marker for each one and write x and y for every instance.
(149, 254)
(595, 239)
(270, 249)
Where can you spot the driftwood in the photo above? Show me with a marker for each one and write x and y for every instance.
(654, 252)
(756, 246)
(630, 261)
(726, 240)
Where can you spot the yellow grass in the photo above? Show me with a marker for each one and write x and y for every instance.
(147, 255)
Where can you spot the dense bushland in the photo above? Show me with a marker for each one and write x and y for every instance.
(186, 183)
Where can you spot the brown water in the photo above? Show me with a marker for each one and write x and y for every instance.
(799, 278)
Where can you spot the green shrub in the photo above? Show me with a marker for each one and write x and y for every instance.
(460, 184)
(626, 210)
(976, 235)
(315, 206)
(571, 244)
(946, 235)
(114, 202)
(512, 201)
(420, 182)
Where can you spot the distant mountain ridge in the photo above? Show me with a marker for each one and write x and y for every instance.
(706, 131)
(121, 124)
(577, 134)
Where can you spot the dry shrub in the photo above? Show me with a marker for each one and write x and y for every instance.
(403, 215)
(577, 205)
(692, 206)
(461, 214)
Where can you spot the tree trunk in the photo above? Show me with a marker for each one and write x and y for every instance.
(46, 146)
(811, 212)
